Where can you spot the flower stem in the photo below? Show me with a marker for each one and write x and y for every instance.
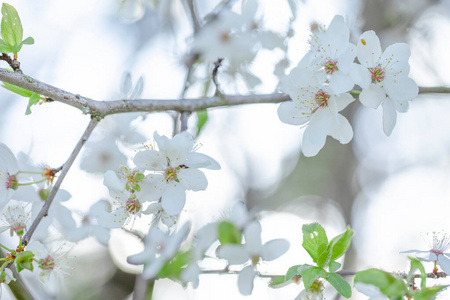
(355, 92)
(9, 250)
(33, 182)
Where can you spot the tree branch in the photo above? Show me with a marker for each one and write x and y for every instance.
(104, 108)
(65, 169)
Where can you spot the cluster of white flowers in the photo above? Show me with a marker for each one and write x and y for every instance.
(161, 178)
(236, 38)
(319, 86)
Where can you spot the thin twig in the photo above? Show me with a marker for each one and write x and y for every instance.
(64, 170)
(14, 64)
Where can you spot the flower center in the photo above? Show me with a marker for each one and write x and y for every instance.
(330, 67)
(133, 206)
(377, 74)
(48, 263)
(12, 182)
(322, 99)
(171, 174)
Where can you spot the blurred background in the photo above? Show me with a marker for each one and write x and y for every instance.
(390, 190)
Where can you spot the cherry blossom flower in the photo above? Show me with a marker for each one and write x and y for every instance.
(318, 106)
(174, 170)
(252, 250)
(127, 189)
(58, 214)
(387, 81)
(8, 174)
(440, 243)
(54, 265)
(90, 227)
(332, 57)
(160, 247)
(16, 219)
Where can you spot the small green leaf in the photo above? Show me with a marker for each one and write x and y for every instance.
(136, 187)
(172, 269)
(202, 117)
(28, 41)
(4, 47)
(12, 31)
(229, 234)
(34, 99)
(24, 260)
(340, 284)
(416, 264)
(139, 177)
(277, 281)
(428, 293)
(341, 243)
(18, 90)
(389, 285)
(315, 242)
(333, 266)
(310, 273)
(291, 272)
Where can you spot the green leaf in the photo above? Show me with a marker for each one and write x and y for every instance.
(315, 243)
(417, 265)
(24, 260)
(173, 268)
(229, 234)
(340, 284)
(139, 177)
(18, 90)
(428, 293)
(28, 41)
(202, 117)
(310, 273)
(291, 272)
(18, 47)
(4, 47)
(389, 285)
(34, 99)
(333, 266)
(12, 31)
(341, 243)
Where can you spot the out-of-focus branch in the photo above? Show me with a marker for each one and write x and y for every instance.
(65, 169)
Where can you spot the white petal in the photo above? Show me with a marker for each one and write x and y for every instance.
(342, 131)
(401, 88)
(192, 179)
(396, 57)
(341, 83)
(312, 142)
(444, 262)
(274, 249)
(77, 234)
(252, 234)
(245, 280)
(361, 75)
(389, 116)
(9, 159)
(369, 49)
(199, 160)
(343, 100)
(373, 96)
(235, 254)
(173, 199)
(290, 112)
(101, 234)
(114, 219)
(112, 182)
(151, 160)
(401, 107)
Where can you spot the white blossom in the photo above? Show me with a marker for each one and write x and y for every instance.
(174, 170)
(317, 105)
(440, 243)
(160, 247)
(386, 81)
(16, 219)
(54, 265)
(8, 174)
(370, 290)
(252, 250)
